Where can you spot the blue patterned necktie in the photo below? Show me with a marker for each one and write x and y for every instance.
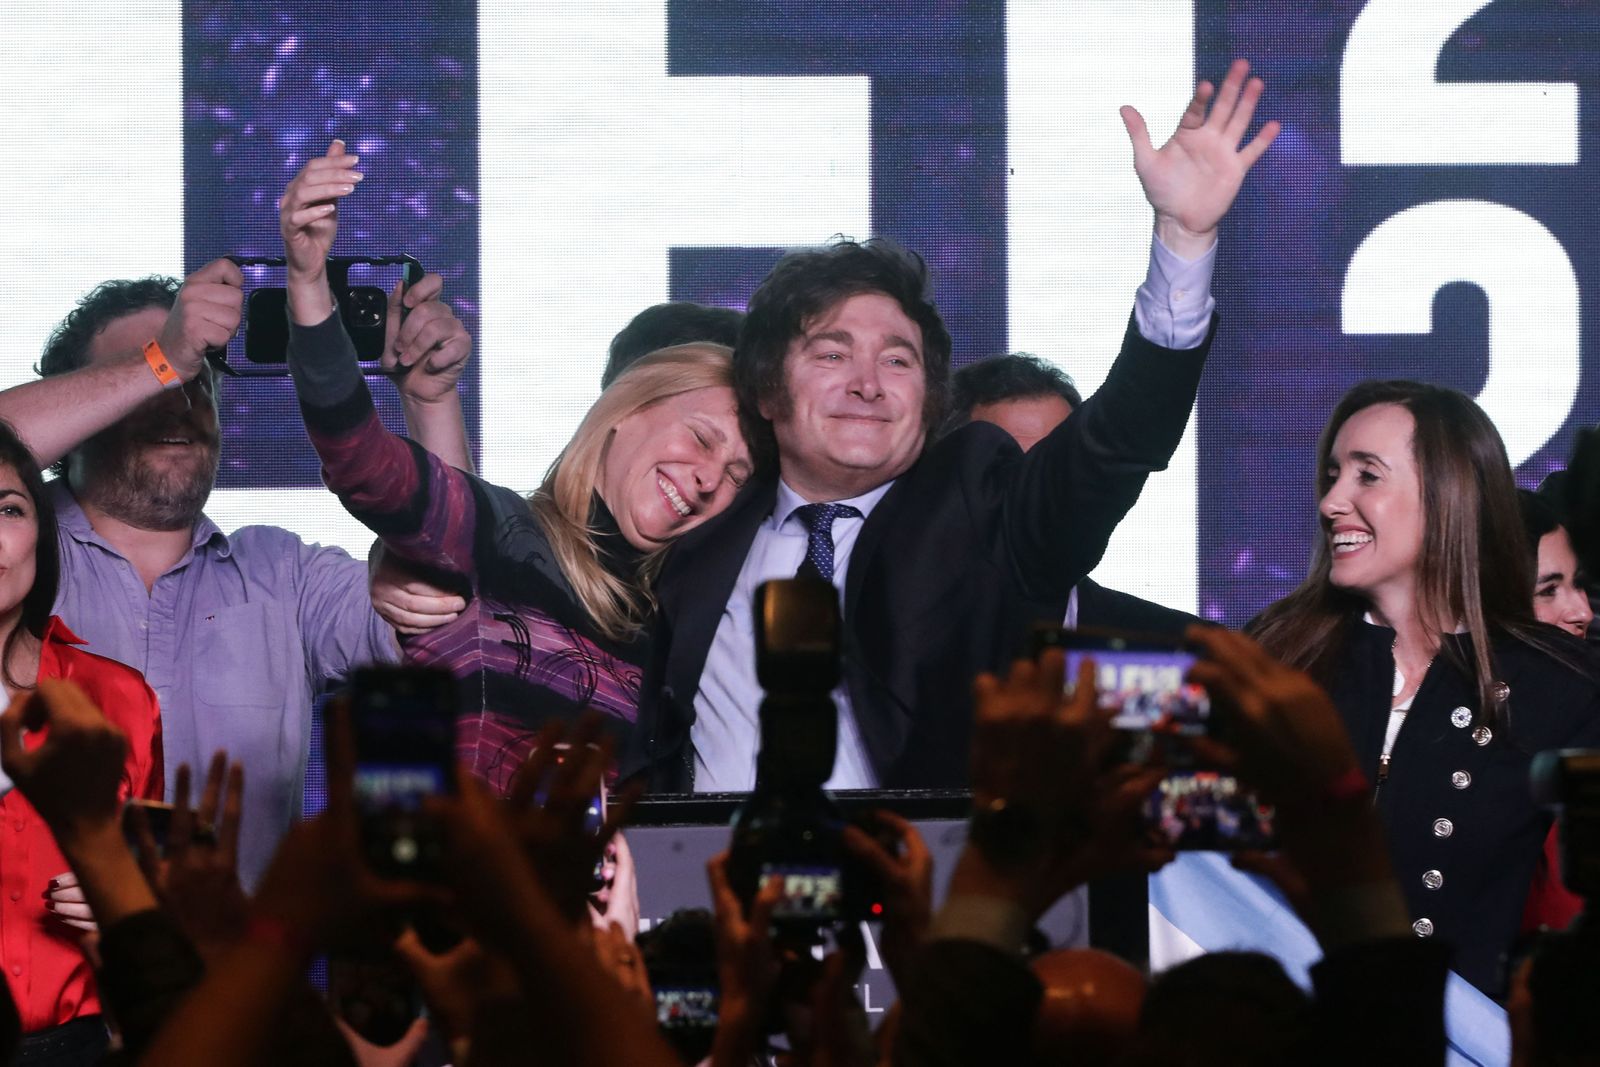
(819, 544)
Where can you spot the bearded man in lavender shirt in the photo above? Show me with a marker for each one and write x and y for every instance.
(943, 553)
(237, 633)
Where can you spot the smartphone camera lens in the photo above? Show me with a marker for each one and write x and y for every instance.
(364, 307)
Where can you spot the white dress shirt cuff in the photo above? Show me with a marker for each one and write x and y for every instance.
(1173, 307)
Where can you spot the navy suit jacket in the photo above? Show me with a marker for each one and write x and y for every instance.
(969, 548)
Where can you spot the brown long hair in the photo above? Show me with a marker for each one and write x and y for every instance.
(1474, 566)
(563, 502)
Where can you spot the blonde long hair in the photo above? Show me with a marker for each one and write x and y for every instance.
(563, 502)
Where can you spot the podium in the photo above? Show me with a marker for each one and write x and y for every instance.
(672, 836)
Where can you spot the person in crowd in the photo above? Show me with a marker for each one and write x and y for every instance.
(1048, 816)
(1560, 588)
(237, 633)
(560, 584)
(1027, 397)
(1560, 598)
(946, 553)
(49, 976)
(1415, 615)
(678, 322)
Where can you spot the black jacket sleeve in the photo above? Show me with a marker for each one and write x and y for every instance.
(1071, 490)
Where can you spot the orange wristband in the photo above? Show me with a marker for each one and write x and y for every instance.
(160, 367)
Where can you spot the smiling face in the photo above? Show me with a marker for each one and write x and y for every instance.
(673, 464)
(1372, 506)
(1560, 594)
(19, 536)
(856, 386)
(155, 467)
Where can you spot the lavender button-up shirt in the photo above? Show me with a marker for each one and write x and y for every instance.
(237, 639)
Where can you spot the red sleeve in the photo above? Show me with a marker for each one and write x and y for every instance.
(1551, 905)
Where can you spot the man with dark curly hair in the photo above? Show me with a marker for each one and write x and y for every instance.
(946, 552)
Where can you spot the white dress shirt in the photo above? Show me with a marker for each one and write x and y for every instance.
(1172, 309)
(727, 726)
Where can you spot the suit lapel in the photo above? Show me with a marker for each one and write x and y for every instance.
(704, 575)
(870, 537)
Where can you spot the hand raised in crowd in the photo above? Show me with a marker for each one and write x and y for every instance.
(1192, 180)
(906, 875)
(510, 901)
(317, 888)
(616, 902)
(73, 775)
(197, 878)
(1281, 733)
(747, 965)
(456, 981)
(1049, 816)
(308, 211)
(425, 346)
(548, 808)
(412, 605)
(205, 315)
(1287, 736)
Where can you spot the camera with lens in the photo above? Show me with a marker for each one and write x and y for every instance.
(789, 830)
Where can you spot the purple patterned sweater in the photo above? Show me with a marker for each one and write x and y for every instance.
(524, 650)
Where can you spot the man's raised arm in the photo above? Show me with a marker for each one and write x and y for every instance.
(1191, 182)
(56, 414)
(1076, 485)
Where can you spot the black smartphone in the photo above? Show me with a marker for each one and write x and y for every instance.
(1142, 678)
(361, 287)
(404, 721)
(158, 816)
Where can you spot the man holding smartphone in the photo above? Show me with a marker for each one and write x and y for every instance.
(239, 633)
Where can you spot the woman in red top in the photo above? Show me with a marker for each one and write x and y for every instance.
(44, 965)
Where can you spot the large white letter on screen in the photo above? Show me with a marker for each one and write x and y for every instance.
(1394, 111)
(1079, 228)
(93, 127)
(594, 163)
(1528, 281)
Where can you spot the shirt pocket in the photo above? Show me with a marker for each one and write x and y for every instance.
(240, 657)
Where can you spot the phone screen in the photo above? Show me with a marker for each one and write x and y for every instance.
(1156, 711)
(686, 1007)
(404, 724)
(1209, 811)
(1142, 681)
(810, 891)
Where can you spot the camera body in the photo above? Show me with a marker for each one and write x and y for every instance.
(790, 830)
